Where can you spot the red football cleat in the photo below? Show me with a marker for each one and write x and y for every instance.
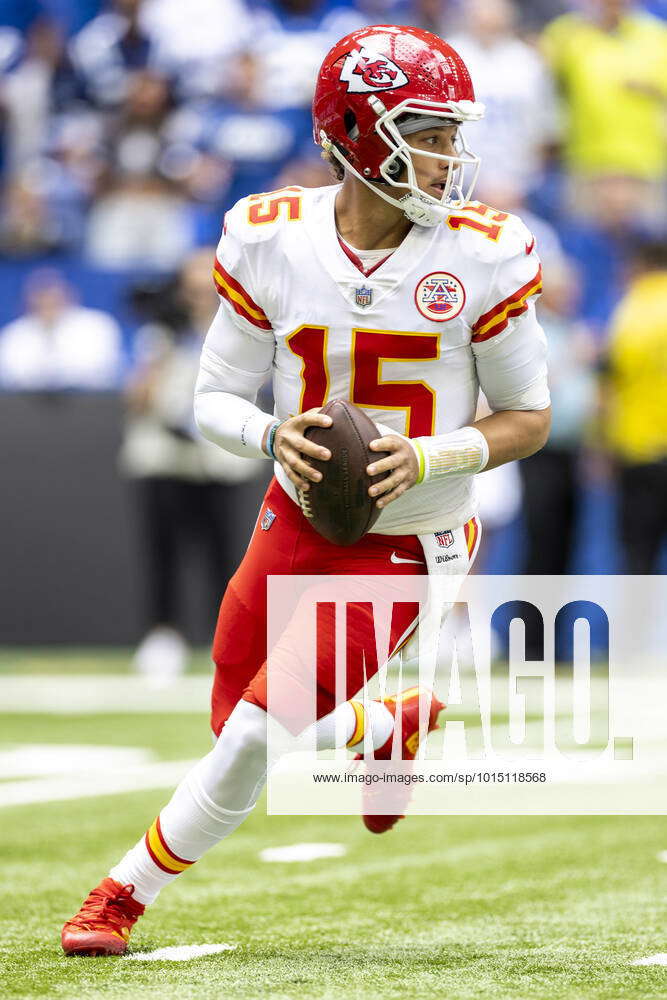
(103, 924)
(410, 701)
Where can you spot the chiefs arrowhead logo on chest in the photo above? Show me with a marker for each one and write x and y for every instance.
(365, 72)
(440, 296)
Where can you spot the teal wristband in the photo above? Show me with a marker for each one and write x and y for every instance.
(271, 438)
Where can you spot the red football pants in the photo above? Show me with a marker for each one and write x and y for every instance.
(290, 546)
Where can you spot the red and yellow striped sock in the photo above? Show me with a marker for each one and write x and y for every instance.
(160, 852)
(359, 725)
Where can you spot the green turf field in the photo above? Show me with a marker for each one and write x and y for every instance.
(460, 908)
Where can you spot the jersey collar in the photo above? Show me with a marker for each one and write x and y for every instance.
(386, 277)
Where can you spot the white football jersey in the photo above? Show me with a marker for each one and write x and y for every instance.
(410, 342)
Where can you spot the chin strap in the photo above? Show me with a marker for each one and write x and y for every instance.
(422, 212)
(416, 208)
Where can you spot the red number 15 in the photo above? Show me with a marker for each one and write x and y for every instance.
(370, 348)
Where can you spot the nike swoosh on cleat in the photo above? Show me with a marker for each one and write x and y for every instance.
(397, 559)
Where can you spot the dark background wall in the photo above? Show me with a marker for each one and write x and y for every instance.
(71, 546)
(70, 540)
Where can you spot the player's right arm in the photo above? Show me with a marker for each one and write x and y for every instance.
(236, 360)
(232, 369)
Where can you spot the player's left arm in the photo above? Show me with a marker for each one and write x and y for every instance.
(512, 372)
(513, 434)
(509, 347)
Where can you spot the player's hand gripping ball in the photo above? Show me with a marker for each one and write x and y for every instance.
(339, 506)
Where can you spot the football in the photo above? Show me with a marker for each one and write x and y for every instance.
(339, 507)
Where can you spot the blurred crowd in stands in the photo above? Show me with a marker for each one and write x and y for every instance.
(128, 127)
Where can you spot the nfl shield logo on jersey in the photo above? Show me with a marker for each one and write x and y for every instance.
(444, 539)
(440, 296)
(268, 519)
(363, 296)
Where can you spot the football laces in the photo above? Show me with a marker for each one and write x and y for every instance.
(304, 503)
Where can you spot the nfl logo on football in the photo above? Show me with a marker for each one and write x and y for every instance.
(444, 539)
(363, 296)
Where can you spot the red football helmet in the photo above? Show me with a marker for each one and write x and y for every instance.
(378, 85)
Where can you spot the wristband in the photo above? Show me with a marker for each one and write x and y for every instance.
(271, 438)
(462, 452)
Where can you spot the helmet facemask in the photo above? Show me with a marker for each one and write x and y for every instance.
(418, 205)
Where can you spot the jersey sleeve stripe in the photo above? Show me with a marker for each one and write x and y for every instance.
(495, 320)
(238, 298)
(238, 287)
(237, 304)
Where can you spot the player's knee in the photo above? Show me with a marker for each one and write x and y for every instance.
(247, 725)
(254, 744)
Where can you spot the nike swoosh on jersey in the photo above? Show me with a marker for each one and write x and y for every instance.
(530, 246)
(397, 559)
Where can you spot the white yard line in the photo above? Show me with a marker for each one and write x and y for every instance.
(659, 959)
(82, 782)
(39, 760)
(302, 852)
(92, 694)
(182, 953)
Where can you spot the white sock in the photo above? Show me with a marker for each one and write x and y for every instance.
(372, 723)
(220, 791)
(210, 803)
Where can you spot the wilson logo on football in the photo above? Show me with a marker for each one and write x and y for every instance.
(364, 72)
(440, 296)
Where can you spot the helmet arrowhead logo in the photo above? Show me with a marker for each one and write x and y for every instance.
(365, 72)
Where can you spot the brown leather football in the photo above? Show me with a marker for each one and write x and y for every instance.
(339, 507)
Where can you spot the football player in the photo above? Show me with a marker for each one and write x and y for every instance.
(392, 289)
